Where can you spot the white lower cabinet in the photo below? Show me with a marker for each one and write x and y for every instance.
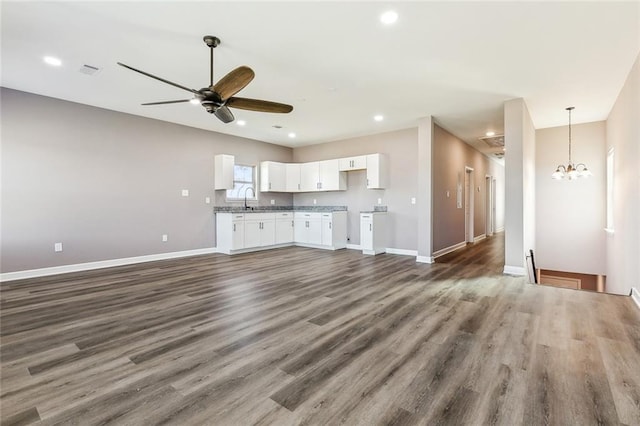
(308, 228)
(373, 232)
(259, 229)
(324, 230)
(229, 232)
(240, 232)
(284, 227)
(334, 229)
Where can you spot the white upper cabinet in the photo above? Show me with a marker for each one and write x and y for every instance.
(331, 178)
(353, 163)
(273, 177)
(292, 175)
(377, 171)
(310, 176)
(223, 172)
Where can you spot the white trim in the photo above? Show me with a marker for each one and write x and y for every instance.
(79, 267)
(609, 231)
(354, 246)
(499, 230)
(449, 249)
(635, 296)
(403, 252)
(424, 259)
(514, 270)
(479, 238)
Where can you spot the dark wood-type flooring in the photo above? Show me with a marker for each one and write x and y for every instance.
(304, 336)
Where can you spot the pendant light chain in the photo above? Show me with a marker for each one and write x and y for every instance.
(571, 171)
(570, 108)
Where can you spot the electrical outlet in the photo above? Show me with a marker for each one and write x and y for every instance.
(413, 200)
(57, 247)
(165, 238)
(379, 200)
(314, 201)
(448, 194)
(273, 202)
(207, 200)
(185, 192)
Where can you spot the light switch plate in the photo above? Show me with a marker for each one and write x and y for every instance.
(207, 200)
(314, 201)
(379, 200)
(413, 200)
(273, 202)
(165, 238)
(185, 192)
(57, 247)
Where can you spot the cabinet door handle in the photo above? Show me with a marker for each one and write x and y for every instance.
(367, 182)
(370, 227)
(269, 185)
(298, 187)
(234, 227)
(292, 224)
(329, 225)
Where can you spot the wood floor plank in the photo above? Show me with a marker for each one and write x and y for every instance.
(300, 336)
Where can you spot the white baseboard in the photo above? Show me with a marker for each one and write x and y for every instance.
(635, 296)
(424, 259)
(79, 267)
(514, 270)
(479, 238)
(354, 246)
(449, 249)
(403, 252)
(499, 230)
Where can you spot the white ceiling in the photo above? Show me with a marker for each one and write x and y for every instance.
(333, 61)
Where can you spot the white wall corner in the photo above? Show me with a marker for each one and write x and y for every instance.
(88, 266)
(635, 296)
(514, 270)
(424, 259)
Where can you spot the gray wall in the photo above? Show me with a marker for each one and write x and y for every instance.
(570, 215)
(401, 148)
(623, 136)
(450, 157)
(107, 184)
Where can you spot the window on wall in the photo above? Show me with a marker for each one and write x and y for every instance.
(244, 183)
(610, 175)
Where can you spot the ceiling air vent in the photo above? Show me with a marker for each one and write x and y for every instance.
(89, 69)
(494, 141)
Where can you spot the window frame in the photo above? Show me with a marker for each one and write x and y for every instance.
(253, 182)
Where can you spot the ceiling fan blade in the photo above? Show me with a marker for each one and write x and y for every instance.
(224, 114)
(167, 102)
(233, 82)
(158, 78)
(259, 105)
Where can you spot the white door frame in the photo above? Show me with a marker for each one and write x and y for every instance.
(468, 204)
(488, 206)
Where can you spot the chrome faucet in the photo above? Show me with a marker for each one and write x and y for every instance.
(245, 196)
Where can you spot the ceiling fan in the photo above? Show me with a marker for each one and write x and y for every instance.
(217, 98)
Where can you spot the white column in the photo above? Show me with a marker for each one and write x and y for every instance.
(424, 201)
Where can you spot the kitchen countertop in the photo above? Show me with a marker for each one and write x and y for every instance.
(266, 209)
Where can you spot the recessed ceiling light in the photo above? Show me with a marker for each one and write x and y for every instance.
(389, 17)
(52, 61)
(195, 101)
(292, 135)
(490, 133)
(241, 122)
(378, 117)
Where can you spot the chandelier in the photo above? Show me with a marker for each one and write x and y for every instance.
(571, 171)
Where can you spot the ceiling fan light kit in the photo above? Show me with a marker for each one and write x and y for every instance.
(219, 97)
(571, 171)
